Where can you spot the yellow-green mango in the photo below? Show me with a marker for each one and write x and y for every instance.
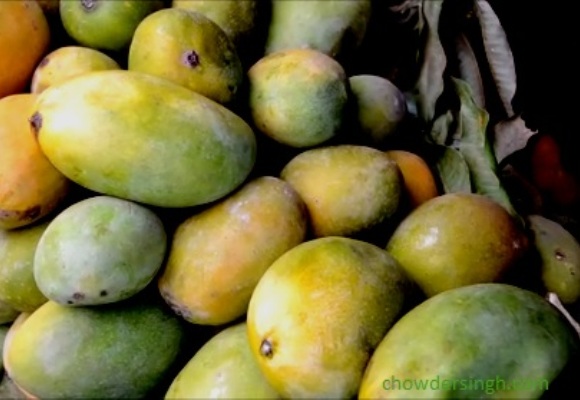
(224, 368)
(190, 49)
(298, 97)
(7, 313)
(319, 311)
(218, 256)
(18, 288)
(99, 250)
(143, 138)
(347, 188)
(114, 351)
(559, 253)
(334, 27)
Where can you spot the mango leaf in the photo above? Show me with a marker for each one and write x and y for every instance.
(498, 53)
(510, 136)
(469, 69)
(453, 171)
(442, 128)
(430, 85)
(475, 147)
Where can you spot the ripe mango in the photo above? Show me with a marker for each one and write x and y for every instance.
(66, 62)
(457, 239)
(218, 255)
(120, 350)
(99, 250)
(224, 368)
(334, 27)
(298, 97)
(190, 49)
(30, 186)
(347, 188)
(143, 138)
(486, 340)
(319, 311)
(559, 253)
(18, 288)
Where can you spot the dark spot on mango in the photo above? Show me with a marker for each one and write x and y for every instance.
(78, 296)
(179, 310)
(103, 293)
(31, 213)
(190, 59)
(69, 302)
(89, 5)
(35, 122)
(267, 348)
(232, 88)
(559, 255)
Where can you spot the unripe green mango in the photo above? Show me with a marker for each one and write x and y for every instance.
(112, 351)
(18, 288)
(99, 250)
(334, 27)
(486, 340)
(143, 138)
(224, 368)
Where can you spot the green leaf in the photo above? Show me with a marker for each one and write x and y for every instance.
(430, 84)
(475, 147)
(498, 53)
(453, 170)
(442, 127)
(510, 136)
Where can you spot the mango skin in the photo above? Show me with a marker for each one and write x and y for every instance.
(559, 252)
(116, 351)
(483, 331)
(190, 49)
(319, 311)
(298, 97)
(30, 186)
(336, 28)
(99, 250)
(347, 188)
(143, 138)
(18, 288)
(224, 368)
(218, 256)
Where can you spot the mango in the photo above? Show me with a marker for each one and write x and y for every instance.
(457, 239)
(224, 368)
(486, 340)
(559, 254)
(319, 311)
(240, 20)
(18, 288)
(30, 186)
(7, 313)
(116, 351)
(99, 250)
(66, 62)
(380, 108)
(334, 27)
(346, 188)
(298, 97)
(218, 256)
(103, 24)
(187, 48)
(143, 138)
(14, 326)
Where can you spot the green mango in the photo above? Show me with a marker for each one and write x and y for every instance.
(18, 288)
(487, 340)
(224, 368)
(559, 253)
(122, 350)
(99, 250)
(143, 138)
(334, 27)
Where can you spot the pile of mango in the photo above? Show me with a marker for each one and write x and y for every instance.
(243, 199)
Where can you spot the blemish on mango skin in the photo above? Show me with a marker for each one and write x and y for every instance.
(89, 5)
(190, 59)
(29, 214)
(267, 348)
(35, 122)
